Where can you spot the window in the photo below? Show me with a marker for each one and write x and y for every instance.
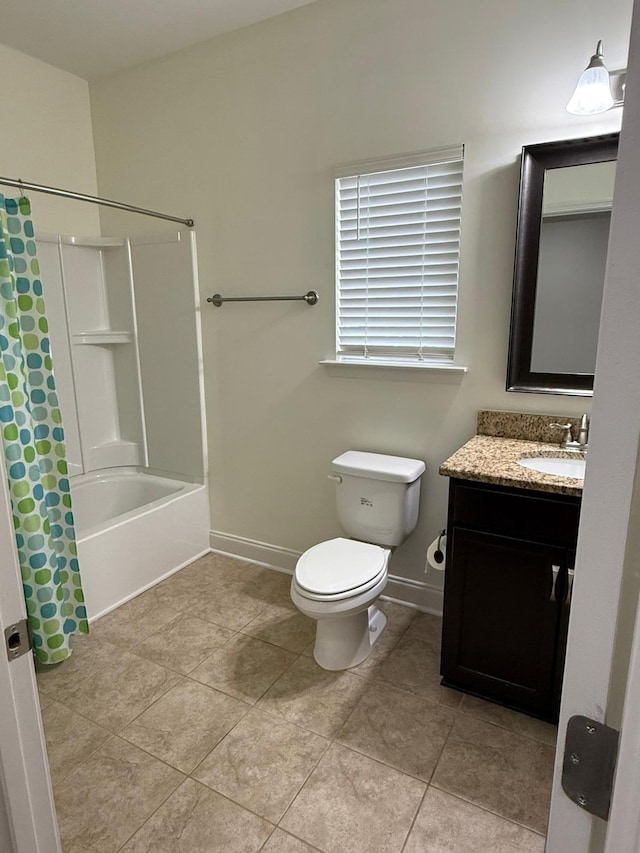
(397, 242)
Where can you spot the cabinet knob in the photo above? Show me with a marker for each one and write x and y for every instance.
(555, 571)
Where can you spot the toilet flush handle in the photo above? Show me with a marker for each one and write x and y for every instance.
(335, 477)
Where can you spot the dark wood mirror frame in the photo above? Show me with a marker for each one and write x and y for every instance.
(536, 159)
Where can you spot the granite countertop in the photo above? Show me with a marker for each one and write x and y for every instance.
(491, 459)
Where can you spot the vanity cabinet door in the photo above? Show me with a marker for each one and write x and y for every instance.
(563, 630)
(503, 605)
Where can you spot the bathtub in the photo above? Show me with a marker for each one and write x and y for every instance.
(133, 529)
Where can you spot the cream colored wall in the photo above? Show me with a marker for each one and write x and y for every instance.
(243, 133)
(46, 138)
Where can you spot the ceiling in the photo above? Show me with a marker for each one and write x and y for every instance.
(95, 38)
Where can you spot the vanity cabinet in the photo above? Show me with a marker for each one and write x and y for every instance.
(510, 557)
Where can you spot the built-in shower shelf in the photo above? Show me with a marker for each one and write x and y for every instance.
(112, 454)
(102, 338)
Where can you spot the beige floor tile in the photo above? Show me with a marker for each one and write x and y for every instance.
(414, 665)
(521, 724)
(385, 644)
(400, 729)
(351, 803)
(44, 700)
(44, 681)
(241, 571)
(89, 656)
(214, 577)
(70, 739)
(243, 667)
(197, 820)
(271, 587)
(120, 691)
(428, 628)
(398, 616)
(215, 567)
(177, 591)
(504, 772)
(283, 626)
(107, 798)
(261, 585)
(230, 604)
(282, 842)
(314, 698)
(277, 586)
(185, 724)
(131, 623)
(446, 824)
(255, 761)
(262, 763)
(184, 644)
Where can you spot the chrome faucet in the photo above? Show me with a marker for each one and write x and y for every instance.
(583, 434)
(568, 442)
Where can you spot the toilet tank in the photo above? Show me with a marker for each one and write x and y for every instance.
(378, 496)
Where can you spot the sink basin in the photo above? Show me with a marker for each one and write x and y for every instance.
(558, 465)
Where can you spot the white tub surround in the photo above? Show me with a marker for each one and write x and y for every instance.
(133, 529)
(114, 304)
(89, 290)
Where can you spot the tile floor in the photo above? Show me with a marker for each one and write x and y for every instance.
(194, 718)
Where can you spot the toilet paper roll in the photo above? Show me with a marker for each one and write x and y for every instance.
(436, 553)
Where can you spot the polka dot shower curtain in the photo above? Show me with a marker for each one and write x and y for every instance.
(33, 441)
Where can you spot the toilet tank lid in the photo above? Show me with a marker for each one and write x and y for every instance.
(379, 466)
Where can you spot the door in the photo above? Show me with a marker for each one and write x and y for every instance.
(500, 627)
(26, 798)
(606, 555)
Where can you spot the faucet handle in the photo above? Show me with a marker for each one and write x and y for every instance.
(583, 434)
(567, 437)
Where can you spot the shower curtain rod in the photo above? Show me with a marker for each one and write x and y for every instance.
(94, 199)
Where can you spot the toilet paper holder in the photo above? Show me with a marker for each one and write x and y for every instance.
(436, 553)
(438, 556)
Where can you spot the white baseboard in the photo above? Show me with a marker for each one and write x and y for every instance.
(413, 593)
(271, 556)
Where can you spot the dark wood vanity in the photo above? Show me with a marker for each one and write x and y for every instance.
(510, 557)
(511, 544)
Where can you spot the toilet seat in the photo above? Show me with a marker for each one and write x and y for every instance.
(339, 596)
(339, 568)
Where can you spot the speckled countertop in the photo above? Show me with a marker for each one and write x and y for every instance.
(492, 459)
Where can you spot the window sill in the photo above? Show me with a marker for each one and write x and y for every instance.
(371, 369)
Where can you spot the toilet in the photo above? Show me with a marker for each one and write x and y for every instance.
(338, 582)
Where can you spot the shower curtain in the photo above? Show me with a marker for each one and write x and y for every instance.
(33, 441)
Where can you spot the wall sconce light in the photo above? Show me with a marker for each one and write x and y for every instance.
(597, 90)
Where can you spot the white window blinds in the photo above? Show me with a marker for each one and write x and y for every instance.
(397, 242)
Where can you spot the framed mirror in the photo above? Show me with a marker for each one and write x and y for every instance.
(564, 213)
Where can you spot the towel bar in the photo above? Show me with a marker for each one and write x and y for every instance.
(311, 298)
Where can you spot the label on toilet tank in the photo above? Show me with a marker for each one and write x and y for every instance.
(366, 502)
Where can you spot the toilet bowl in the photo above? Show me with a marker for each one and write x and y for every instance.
(337, 583)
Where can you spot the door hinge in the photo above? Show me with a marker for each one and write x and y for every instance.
(17, 638)
(590, 754)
